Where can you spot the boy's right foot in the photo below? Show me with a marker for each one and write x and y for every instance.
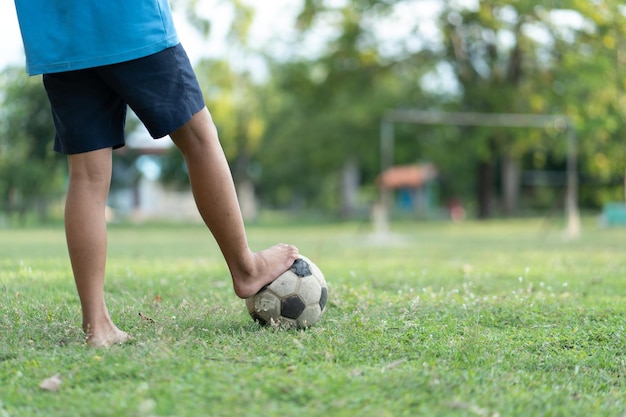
(261, 268)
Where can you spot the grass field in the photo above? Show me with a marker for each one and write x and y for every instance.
(504, 318)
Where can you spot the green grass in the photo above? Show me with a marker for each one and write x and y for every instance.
(476, 319)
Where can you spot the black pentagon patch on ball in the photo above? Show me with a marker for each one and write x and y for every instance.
(301, 268)
(323, 298)
(291, 307)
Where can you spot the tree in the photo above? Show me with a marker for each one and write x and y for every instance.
(324, 111)
(590, 79)
(497, 67)
(523, 57)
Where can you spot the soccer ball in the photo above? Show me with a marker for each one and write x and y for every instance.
(295, 300)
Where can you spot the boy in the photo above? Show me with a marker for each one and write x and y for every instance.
(97, 58)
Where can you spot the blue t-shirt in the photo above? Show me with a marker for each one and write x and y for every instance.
(66, 35)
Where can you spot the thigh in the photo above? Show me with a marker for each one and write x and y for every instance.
(162, 89)
(87, 113)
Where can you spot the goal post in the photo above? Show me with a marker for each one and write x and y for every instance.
(414, 116)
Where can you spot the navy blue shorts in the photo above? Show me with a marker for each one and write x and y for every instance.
(89, 105)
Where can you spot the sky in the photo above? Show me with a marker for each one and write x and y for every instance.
(11, 51)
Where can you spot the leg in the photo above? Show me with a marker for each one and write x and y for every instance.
(214, 192)
(85, 229)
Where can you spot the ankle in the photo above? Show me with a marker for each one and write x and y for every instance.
(98, 326)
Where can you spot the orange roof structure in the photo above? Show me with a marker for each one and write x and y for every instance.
(407, 176)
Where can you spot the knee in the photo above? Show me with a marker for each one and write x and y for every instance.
(198, 132)
(93, 168)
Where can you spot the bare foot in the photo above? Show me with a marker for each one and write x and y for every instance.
(261, 268)
(108, 338)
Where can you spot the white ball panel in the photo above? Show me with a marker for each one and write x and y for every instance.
(310, 316)
(310, 290)
(285, 285)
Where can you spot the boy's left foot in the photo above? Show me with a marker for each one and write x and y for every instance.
(118, 338)
(106, 338)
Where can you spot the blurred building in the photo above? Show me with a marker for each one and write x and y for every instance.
(413, 186)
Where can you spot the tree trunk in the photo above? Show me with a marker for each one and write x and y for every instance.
(247, 200)
(484, 189)
(510, 184)
(12, 200)
(350, 180)
(245, 187)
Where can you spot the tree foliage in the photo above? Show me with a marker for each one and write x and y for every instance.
(31, 172)
(591, 76)
(231, 95)
(324, 111)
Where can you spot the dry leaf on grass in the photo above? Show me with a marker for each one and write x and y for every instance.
(51, 384)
